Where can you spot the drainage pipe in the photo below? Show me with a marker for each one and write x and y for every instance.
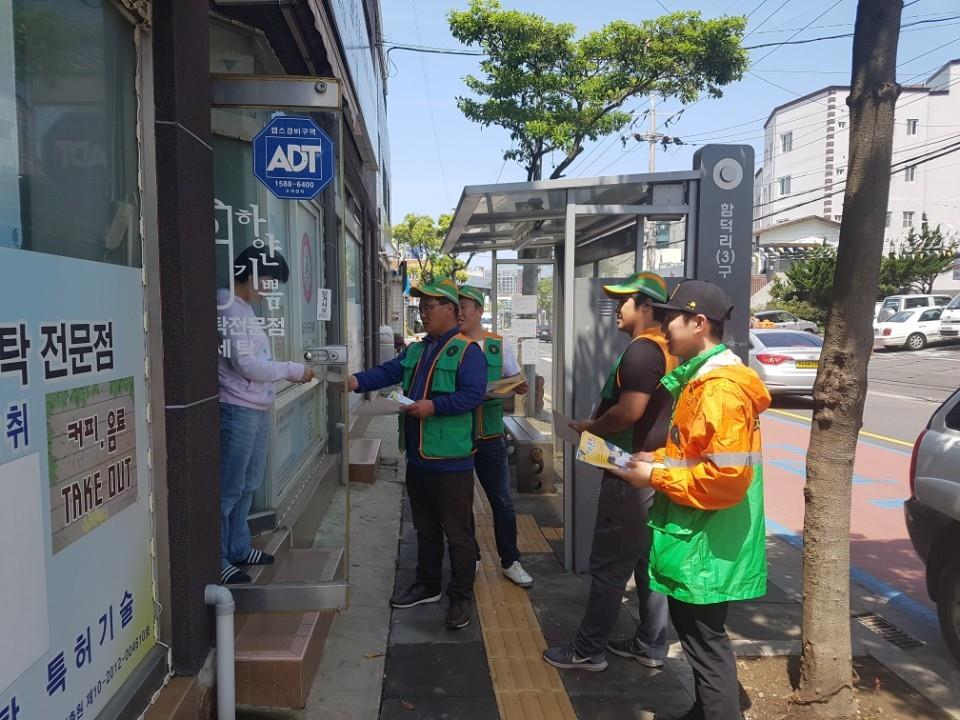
(222, 600)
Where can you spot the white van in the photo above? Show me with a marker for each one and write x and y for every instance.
(950, 319)
(894, 304)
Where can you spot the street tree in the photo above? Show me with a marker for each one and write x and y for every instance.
(826, 676)
(420, 239)
(926, 255)
(553, 91)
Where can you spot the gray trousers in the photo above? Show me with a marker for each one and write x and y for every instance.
(621, 547)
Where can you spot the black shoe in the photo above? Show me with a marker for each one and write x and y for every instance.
(416, 594)
(257, 557)
(459, 613)
(232, 575)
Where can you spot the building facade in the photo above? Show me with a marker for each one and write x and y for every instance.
(805, 158)
(127, 132)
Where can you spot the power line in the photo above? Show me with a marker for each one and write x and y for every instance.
(779, 45)
(433, 119)
(894, 169)
(807, 41)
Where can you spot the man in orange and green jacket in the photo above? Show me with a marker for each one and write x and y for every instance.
(708, 516)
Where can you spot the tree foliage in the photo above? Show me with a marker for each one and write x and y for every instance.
(917, 263)
(553, 91)
(545, 297)
(420, 238)
(809, 282)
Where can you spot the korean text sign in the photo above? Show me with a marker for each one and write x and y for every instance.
(75, 481)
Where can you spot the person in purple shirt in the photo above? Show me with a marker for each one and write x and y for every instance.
(446, 376)
(247, 373)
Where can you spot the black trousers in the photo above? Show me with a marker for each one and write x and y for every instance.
(707, 647)
(442, 502)
(621, 548)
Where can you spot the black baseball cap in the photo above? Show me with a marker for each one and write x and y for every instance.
(699, 297)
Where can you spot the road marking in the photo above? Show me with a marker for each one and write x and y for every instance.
(894, 396)
(863, 433)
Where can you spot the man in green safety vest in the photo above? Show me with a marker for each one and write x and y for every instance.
(446, 376)
(634, 413)
(491, 457)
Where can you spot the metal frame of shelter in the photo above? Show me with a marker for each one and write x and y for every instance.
(589, 219)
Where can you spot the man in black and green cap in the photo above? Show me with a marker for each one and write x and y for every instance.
(634, 413)
(446, 375)
(491, 459)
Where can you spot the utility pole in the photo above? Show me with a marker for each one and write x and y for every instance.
(652, 141)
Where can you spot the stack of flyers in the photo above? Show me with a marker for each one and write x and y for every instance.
(594, 450)
(504, 387)
(399, 397)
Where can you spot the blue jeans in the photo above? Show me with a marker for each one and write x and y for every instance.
(244, 435)
(494, 474)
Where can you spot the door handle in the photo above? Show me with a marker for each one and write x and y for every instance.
(326, 355)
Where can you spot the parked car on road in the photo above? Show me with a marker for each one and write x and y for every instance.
(950, 320)
(933, 513)
(786, 360)
(787, 321)
(911, 329)
(544, 333)
(894, 304)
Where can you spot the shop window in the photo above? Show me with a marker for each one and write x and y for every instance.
(68, 174)
(354, 299)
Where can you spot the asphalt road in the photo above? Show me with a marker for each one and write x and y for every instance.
(903, 391)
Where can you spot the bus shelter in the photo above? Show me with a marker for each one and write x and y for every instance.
(560, 241)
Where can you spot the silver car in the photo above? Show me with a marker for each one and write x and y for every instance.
(787, 321)
(786, 360)
(933, 513)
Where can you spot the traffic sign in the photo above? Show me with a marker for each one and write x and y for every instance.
(293, 157)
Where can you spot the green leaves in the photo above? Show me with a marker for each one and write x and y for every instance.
(421, 237)
(914, 267)
(552, 91)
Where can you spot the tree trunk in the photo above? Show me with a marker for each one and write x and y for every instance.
(826, 685)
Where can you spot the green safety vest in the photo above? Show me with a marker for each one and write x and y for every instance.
(489, 416)
(447, 436)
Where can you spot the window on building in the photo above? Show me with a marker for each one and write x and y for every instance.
(841, 124)
(784, 184)
(908, 218)
(889, 217)
(68, 150)
(913, 125)
(841, 171)
(837, 218)
(786, 142)
(910, 173)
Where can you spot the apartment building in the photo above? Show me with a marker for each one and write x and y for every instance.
(805, 160)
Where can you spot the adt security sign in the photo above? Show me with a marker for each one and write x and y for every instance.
(293, 157)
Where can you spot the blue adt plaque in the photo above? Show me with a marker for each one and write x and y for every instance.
(293, 157)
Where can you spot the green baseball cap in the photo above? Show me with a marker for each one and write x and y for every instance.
(442, 288)
(473, 293)
(647, 283)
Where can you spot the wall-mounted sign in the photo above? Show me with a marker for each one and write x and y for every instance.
(293, 157)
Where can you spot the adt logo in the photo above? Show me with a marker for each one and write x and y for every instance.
(293, 157)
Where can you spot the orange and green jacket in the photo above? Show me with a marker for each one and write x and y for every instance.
(709, 537)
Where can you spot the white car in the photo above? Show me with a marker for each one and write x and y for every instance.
(911, 329)
(787, 321)
(786, 360)
(950, 320)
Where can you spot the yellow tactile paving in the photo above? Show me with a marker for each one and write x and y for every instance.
(526, 687)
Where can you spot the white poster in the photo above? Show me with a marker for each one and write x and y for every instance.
(523, 328)
(529, 352)
(324, 303)
(23, 622)
(523, 304)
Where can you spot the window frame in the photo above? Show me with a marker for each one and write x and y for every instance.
(786, 141)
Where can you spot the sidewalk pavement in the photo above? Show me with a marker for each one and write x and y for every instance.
(404, 664)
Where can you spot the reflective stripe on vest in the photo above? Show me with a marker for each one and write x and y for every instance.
(726, 459)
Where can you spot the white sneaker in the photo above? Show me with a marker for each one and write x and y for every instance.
(516, 574)
(478, 567)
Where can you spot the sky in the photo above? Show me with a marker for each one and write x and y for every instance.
(435, 151)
